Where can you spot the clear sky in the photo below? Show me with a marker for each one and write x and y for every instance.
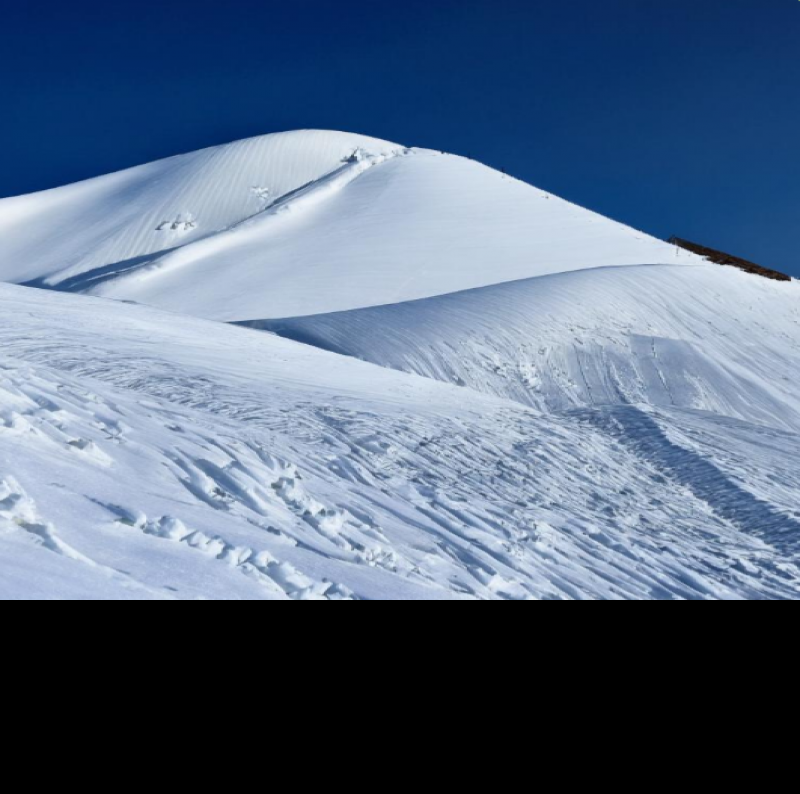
(676, 116)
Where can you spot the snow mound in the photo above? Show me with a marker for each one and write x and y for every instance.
(146, 455)
(704, 338)
(60, 235)
(304, 223)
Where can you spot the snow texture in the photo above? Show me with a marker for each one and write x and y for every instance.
(304, 223)
(151, 455)
(705, 338)
(436, 383)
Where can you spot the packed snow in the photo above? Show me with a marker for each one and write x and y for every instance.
(435, 382)
(151, 455)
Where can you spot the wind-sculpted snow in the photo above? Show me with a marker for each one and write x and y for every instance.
(548, 405)
(252, 232)
(150, 455)
(304, 223)
(703, 338)
(73, 231)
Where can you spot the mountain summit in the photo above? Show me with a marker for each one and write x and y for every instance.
(449, 385)
(304, 223)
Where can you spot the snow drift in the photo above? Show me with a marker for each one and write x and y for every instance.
(149, 455)
(498, 395)
(706, 338)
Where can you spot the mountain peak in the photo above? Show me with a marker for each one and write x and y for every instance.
(304, 222)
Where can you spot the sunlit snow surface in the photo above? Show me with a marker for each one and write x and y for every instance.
(484, 392)
(346, 222)
(701, 337)
(145, 454)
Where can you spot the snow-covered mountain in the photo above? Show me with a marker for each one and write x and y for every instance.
(304, 223)
(548, 405)
(703, 337)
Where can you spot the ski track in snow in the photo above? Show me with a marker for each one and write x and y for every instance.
(266, 485)
(477, 390)
(748, 514)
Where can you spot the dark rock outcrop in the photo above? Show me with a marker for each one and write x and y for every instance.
(722, 258)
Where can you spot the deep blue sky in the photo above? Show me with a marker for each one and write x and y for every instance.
(676, 116)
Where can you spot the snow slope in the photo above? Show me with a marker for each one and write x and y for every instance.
(705, 338)
(75, 231)
(151, 455)
(304, 223)
(548, 405)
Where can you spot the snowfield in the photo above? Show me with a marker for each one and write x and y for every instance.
(151, 455)
(434, 382)
(304, 223)
(702, 337)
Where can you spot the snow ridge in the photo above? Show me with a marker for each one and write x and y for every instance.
(285, 208)
(61, 234)
(304, 223)
(702, 337)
